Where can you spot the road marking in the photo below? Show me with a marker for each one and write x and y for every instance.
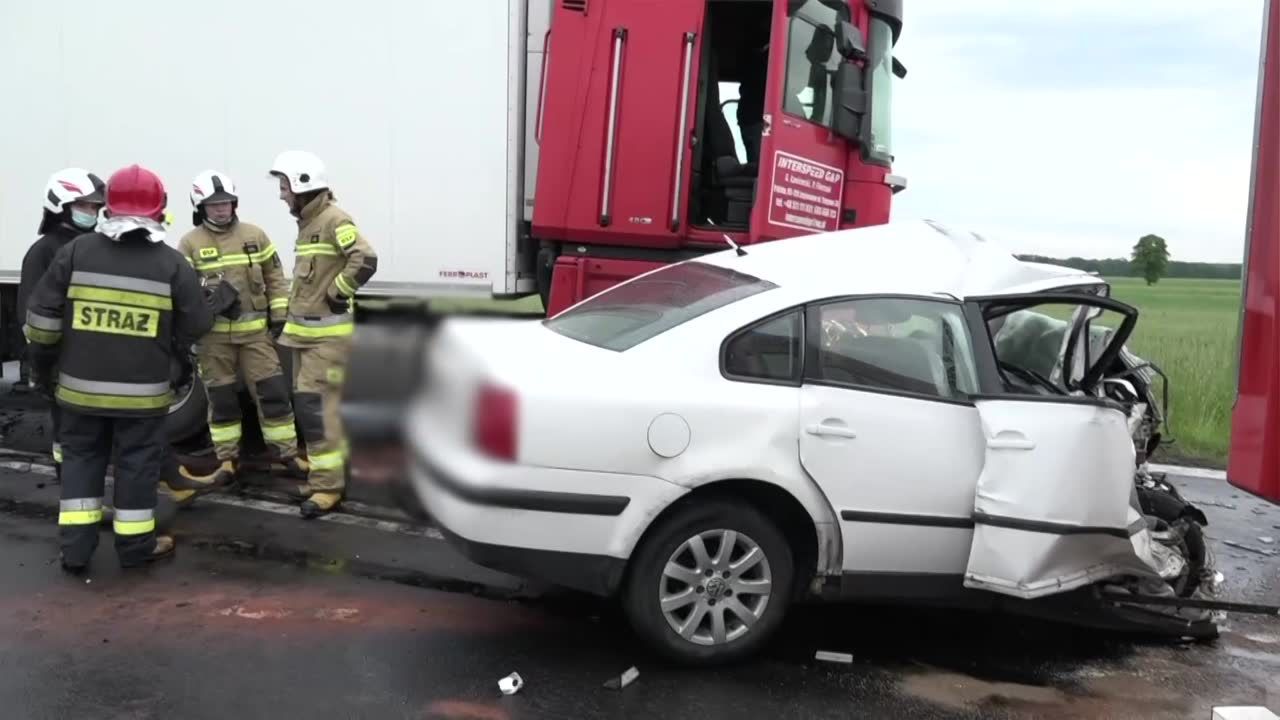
(1190, 472)
(338, 518)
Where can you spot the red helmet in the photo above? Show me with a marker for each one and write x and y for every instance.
(137, 191)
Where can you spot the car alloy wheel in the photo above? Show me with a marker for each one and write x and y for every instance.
(710, 582)
(715, 587)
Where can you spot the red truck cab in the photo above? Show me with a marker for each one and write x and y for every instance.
(644, 161)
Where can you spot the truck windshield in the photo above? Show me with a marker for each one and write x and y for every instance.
(627, 314)
(880, 65)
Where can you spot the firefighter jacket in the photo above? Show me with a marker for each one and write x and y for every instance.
(112, 314)
(332, 261)
(241, 255)
(38, 259)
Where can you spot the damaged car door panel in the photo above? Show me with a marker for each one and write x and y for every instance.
(1037, 498)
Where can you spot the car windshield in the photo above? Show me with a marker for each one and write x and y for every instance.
(627, 314)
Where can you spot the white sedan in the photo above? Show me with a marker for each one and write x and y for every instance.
(898, 413)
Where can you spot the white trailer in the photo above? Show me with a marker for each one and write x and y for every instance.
(419, 110)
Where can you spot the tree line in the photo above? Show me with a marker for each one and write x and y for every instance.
(1121, 267)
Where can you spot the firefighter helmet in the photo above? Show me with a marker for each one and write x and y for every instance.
(302, 170)
(212, 186)
(72, 185)
(136, 191)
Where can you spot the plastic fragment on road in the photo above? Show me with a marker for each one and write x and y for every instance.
(1243, 712)
(511, 684)
(837, 657)
(1266, 540)
(626, 678)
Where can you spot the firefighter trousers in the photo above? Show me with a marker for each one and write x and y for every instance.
(318, 376)
(87, 444)
(221, 364)
(55, 419)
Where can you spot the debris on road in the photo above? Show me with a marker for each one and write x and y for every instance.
(1266, 540)
(837, 657)
(627, 677)
(1243, 712)
(1216, 503)
(511, 684)
(1250, 548)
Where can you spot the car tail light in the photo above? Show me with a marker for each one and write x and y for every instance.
(494, 426)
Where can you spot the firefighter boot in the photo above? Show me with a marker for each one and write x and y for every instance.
(320, 503)
(296, 467)
(164, 548)
(183, 488)
(226, 475)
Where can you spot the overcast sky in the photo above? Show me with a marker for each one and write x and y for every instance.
(1073, 128)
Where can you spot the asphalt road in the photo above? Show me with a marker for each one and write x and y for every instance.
(265, 615)
(262, 614)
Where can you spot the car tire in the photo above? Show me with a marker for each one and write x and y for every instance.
(188, 415)
(673, 540)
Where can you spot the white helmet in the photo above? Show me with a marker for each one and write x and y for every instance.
(212, 186)
(303, 171)
(73, 185)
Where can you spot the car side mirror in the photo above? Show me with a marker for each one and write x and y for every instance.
(849, 42)
(850, 101)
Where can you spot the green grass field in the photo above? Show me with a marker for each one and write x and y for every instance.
(1188, 328)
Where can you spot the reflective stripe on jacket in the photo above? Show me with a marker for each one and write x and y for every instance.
(240, 254)
(111, 315)
(333, 260)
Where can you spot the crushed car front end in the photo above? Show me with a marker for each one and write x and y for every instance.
(1108, 557)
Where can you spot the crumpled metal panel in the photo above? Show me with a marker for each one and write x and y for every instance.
(1055, 503)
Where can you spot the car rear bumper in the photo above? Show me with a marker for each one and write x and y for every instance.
(506, 518)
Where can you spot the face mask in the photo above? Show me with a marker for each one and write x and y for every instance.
(83, 219)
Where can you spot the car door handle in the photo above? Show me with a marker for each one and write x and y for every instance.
(1010, 441)
(823, 429)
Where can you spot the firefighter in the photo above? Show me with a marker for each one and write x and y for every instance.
(222, 247)
(72, 200)
(332, 261)
(115, 308)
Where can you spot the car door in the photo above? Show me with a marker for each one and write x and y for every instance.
(1055, 505)
(889, 433)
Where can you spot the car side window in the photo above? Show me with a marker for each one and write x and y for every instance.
(904, 345)
(768, 351)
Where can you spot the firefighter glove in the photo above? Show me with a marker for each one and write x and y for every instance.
(338, 305)
(186, 369)
(275, 327)
(225, 301)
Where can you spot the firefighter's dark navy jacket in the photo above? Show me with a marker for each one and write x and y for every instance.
(112, 313)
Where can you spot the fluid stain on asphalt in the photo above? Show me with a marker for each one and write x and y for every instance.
(349, 566)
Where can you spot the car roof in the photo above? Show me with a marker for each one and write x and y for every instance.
(911, 257)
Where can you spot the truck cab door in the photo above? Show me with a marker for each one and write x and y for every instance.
(820, 166)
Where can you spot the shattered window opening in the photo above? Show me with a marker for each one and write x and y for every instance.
(1040, 349)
